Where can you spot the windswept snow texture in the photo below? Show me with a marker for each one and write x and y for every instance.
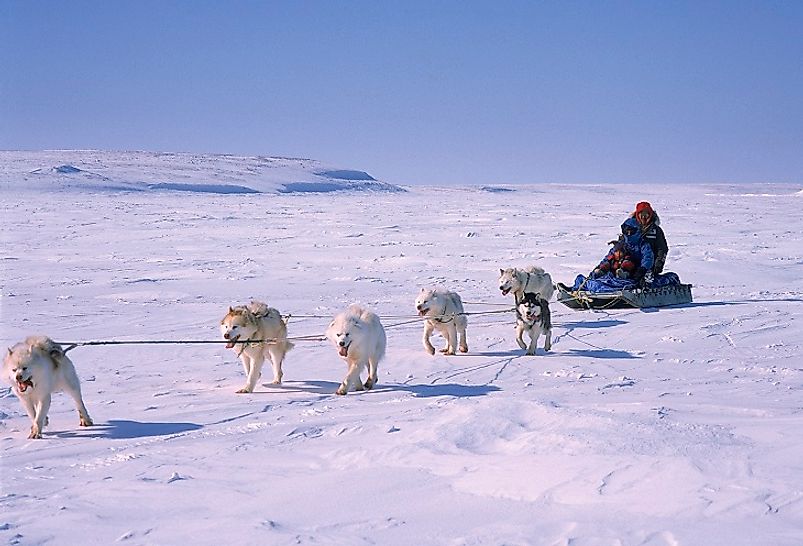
(156, 171)
(641, 427)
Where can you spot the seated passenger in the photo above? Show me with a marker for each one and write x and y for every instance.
(630, 257)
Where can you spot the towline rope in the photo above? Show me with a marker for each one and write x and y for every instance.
(414, 318)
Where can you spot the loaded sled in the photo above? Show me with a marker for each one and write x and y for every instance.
(591, 297)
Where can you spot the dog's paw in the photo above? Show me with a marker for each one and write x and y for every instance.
(86, 422)
(276, 382)
(341, 390)
(369, 384)
(531, 353)
(34, 435)
(244, 390)
(464, 349)
(430, 349)
(448, 352)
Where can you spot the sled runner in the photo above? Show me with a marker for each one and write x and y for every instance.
(628, 297)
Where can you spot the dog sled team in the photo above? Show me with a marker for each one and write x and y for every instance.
(38, 367)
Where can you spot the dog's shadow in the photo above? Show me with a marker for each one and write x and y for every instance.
(591, 324)
(329, 388)
(445, 389)
(600, 353)
(313, 387)
(127, 430)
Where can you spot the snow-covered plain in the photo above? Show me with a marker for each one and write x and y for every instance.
(651, 427)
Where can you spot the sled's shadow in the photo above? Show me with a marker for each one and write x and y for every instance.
(127, 430)
(738, 302)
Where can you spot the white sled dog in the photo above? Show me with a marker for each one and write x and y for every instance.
(36, 368)
(533, 317)
(443, 311)
(360, 340)
(532, 280)
(256, 321)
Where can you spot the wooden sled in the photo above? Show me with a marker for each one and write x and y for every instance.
(676, 294)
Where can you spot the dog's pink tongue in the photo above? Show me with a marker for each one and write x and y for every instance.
(343, 351)
(22, 386)
(230, 344)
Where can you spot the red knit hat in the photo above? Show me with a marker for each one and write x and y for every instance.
(644, 206)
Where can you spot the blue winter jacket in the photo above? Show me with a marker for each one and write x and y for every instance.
(637, 247)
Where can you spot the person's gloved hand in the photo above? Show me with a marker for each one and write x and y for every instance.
(597, 273)
(647, 279)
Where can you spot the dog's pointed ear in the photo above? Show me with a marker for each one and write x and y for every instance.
(231, 309)
(501, 271)
(10, 352)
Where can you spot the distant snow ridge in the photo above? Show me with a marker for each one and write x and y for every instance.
(99, 170)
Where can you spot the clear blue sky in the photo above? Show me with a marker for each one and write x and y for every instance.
(419, 91)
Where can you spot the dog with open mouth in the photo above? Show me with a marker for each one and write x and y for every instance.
(36, 368)
(533, 280)
(533, 316)
(443, 311)
(256, 332)
(360, 340)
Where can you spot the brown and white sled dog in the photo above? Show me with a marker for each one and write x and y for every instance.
(259, 322)
(533, 317)
(360, 340)
(443, 311)
(36, 368)
(532, 280)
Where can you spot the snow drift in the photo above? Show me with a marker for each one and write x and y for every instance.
(188, 172)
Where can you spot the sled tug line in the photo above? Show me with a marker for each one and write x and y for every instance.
(406, 319)
(574, 299)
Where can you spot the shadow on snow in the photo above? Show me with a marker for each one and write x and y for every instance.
(126, 430)
(599, 353)
(446, 389)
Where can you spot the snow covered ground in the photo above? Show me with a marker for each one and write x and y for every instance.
(641, 427)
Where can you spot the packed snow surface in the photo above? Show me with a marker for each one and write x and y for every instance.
(678, 425)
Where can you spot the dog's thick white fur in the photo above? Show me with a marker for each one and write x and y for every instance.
(443, 311)
(533, 280)
(533, 316)
(360, 340)
(36, 368)
(256, 321)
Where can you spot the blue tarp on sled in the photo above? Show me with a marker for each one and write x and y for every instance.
(610, 283)
(610, 292)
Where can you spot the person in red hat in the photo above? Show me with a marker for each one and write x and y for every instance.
(652, 233)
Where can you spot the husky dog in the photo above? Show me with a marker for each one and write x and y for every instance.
(443, 311)
(533, 317)
(264, 324)
(532, 280)
(360, 340)
(36, 368)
